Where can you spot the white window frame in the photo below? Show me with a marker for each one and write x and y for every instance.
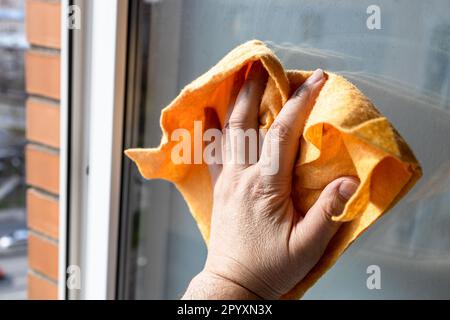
(95, 76)
(64, 76)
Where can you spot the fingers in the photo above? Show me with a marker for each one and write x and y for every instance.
(283, 136)
(241, 136)
(244, 114)
(212, 141)
(317, 228)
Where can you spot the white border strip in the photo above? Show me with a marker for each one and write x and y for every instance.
(105, 102)
(63, 153)
(101, 106)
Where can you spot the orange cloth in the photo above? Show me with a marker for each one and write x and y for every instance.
(344, 135)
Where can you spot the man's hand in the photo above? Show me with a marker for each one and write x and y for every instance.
(260, 247)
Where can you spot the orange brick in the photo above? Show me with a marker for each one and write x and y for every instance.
(41, 289)
(43, 213)
(42, 168)
(43, 23)
(43, 256)
(42, 73)
(43, 122)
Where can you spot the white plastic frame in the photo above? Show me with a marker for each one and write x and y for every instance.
(98, 81)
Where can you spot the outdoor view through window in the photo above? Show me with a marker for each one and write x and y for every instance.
(13, 233)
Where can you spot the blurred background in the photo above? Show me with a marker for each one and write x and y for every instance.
(13, 232)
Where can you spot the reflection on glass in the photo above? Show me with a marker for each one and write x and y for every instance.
(403, 68)
(13, 233)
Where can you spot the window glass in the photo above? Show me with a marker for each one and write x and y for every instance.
(13, 233)
(400, 61)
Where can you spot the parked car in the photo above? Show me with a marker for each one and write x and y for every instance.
(15, 240)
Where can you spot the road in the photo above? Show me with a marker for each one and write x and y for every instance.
(15, 284)
(14, 264)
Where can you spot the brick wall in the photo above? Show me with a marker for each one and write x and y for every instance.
(42, 65)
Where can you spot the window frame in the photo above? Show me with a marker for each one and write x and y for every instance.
(64, 154)
(96, 83)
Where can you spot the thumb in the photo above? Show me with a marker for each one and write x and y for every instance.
(317, 228)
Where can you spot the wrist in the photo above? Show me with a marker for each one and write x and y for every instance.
(246, 277)
(208, 285)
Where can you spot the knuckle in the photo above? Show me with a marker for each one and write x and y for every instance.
(279, 131)
(326, 208)
(237, 120)
(244, 182)
(242, 189)
(330, 206)
(266, 186)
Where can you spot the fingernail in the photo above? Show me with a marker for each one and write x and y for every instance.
(315, 77)
(347, 188)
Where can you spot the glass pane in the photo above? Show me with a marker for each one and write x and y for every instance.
(403, 67)
(13, 233)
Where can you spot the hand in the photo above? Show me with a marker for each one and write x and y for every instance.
(260, 247)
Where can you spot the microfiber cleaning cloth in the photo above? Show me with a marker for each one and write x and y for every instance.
(344, 135)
